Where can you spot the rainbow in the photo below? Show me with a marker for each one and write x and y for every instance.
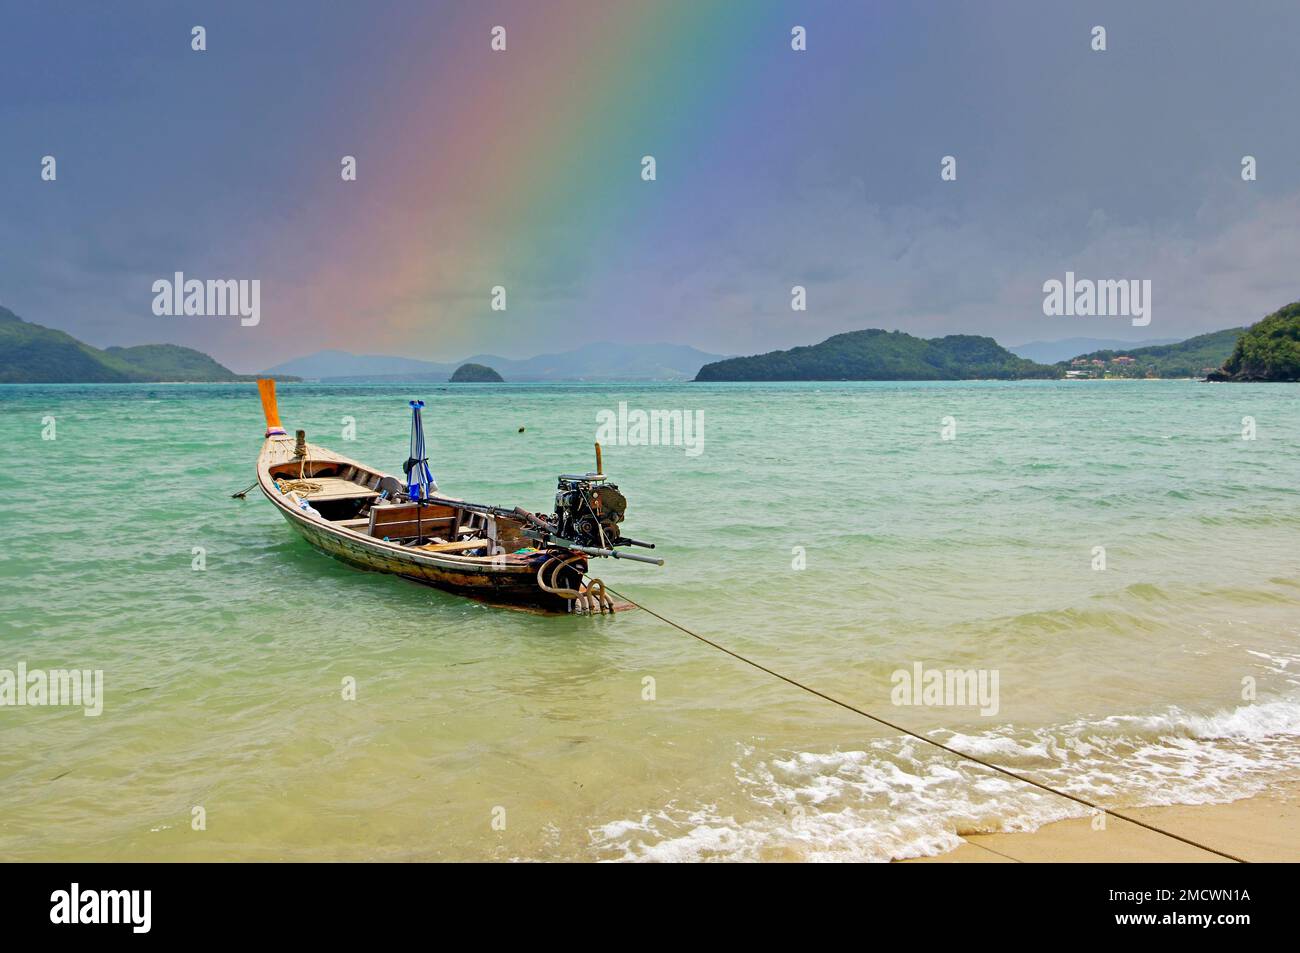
(518, 168)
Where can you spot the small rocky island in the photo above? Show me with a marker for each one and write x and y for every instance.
(476, 374)
(1267, 351)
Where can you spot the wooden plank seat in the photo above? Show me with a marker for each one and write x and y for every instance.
(336, 488)
(463, 546)
(407, 520)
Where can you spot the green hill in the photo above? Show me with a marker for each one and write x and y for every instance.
(32, 354)
(476, 374)
(1188, 358)
(1267, 351)
(170, 362)
(876, 355)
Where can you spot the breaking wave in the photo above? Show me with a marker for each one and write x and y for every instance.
(899, 798)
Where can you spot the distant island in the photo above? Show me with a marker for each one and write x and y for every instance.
(33, 354)
(876, 355)
(593, 361)
(476, 374)
(1268, 351)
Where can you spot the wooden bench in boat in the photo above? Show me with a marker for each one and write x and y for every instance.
(408, 520)
(336, 488)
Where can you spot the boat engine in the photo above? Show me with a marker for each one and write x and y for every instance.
(588, 514)
(588, 511)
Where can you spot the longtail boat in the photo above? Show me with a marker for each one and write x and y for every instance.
(501, 555)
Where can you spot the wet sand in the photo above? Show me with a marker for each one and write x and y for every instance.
(1261, 828)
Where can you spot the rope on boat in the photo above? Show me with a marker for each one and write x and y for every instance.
(930, 741)
(299, 486)
(590, 596)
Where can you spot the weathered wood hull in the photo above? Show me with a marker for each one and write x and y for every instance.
(512, 588)
(504, 579)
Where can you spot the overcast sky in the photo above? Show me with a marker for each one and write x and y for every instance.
(522, 169)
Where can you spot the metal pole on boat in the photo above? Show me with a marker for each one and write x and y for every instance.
(419, 481)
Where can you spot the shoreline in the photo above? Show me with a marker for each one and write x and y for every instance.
(1264, 828)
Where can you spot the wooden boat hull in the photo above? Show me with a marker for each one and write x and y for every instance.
(507, 588)
(506, 578)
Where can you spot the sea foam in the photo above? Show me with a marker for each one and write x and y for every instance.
(899, 798)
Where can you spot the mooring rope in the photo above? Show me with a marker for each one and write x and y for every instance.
(930, 741)
(244, 492)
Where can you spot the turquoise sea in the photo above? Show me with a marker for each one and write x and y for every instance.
(1171, 675)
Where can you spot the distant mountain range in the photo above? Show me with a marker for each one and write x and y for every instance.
(1049, 352)
(33, 354)
(876, 355)
(1269, 350)
(591, 362)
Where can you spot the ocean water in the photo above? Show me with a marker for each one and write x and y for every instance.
(1171, 675)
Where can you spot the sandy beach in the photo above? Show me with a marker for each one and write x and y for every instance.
(1265, 828)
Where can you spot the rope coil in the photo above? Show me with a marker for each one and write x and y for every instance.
(300, 486)
(590, 596)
